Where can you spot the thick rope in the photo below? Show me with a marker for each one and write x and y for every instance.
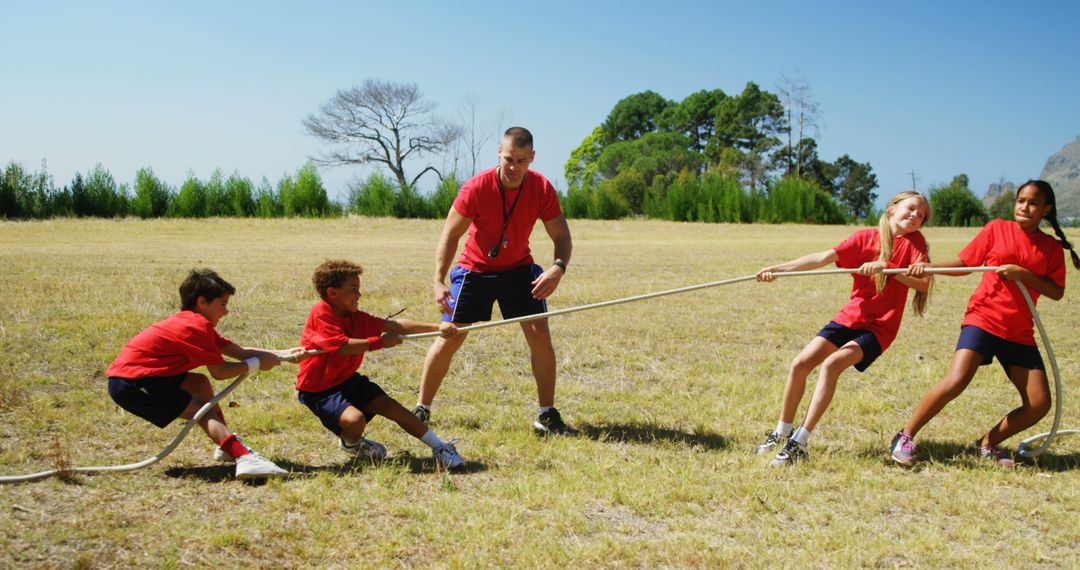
(205, 409)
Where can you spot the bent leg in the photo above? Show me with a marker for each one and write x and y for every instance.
(392, 410)
(352, 423)
(848, 355)
(437, 363)
(816, 351)
(962, 369)
(213, 423)
(538, 336)
(1034, 391)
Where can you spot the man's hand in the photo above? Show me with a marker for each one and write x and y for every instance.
(546, 284)
(443, 298)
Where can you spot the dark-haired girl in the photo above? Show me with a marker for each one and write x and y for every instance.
(998, 322)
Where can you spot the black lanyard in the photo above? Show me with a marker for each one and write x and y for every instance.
(507, 215)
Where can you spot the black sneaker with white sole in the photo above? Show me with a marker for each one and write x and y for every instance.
(423, 414)
(792, 453)
(773, 440)
(551, 423)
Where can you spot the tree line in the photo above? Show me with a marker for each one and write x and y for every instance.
(711, 157)
(28, 194)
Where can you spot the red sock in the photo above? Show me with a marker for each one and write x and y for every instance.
(234, 447)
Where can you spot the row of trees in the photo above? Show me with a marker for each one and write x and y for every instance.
(709, 133)
(34, 195)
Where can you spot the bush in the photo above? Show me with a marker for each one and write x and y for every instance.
(955, 205)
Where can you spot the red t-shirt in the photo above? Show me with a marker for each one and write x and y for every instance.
(998, 306)
(326, 330)
(879, 313)
(178, 344)
(479, 199)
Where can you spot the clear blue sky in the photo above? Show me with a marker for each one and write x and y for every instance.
(990, 89)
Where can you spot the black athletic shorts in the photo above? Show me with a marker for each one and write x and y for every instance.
(473, 294)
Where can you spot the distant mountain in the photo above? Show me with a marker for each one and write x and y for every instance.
(997, 190)
(1062, 171)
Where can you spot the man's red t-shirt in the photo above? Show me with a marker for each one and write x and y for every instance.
(879, 313)
(998, 306)
(479, 199)
(326, 330)
(178, 344)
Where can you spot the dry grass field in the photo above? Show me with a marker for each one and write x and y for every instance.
(670, 396)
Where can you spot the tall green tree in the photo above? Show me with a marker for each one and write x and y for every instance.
(750, 124)
(956, 205)
(633, 117)
(855, 183)
(191, 200)
(152, 196)
(694, 117)
(106, 199)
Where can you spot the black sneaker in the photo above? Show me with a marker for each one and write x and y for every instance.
(550, 422)
(772, 441)
(423, 414)
(793, 452)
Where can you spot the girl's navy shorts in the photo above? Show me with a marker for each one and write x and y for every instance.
(1007, 352)
(840, 335)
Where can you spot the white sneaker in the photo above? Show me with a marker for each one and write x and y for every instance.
(372, 450)
(255, 466)
(447, 457)
(221, 456)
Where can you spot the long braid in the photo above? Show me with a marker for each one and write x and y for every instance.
(1047, 192)
(1052, 218)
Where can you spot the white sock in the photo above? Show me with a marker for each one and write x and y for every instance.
(432, 440)
(784, 429)
(426, 407)
(801, 435)
(546, 408)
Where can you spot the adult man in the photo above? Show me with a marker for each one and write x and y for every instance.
(501, 206)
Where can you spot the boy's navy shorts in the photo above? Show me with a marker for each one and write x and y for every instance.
(840, 335)
(473, 293)
(1007, 352)
(357, 391)
(158, 400)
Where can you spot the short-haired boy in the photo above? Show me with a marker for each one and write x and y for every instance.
(329, 384)
(152, 376)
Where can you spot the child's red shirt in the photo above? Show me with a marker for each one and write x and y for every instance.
(326, 330)
(879, 313)
(998, 306)
(176, 345)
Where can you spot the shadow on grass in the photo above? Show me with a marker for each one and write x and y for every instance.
(415, 465)
(951, 453)
(651, 433)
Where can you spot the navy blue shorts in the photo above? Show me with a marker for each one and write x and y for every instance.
(473, 293)
(1007, 352)
(840, 335)
(357, 391)
(158, 400)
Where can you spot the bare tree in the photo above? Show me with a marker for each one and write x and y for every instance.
(476, 136)
(795, 94)
(381, 122)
